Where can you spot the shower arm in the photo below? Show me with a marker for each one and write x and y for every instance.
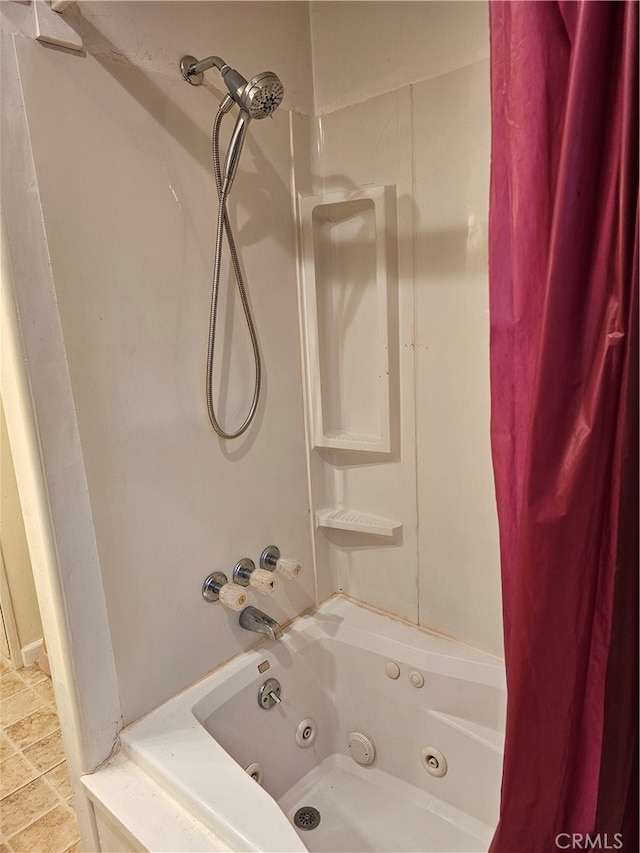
(193, 72)
(206, 64)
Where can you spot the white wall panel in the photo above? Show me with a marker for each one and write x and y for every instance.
(122, 159)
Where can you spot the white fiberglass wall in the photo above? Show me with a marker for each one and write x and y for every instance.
(121, 148)
(411, 112)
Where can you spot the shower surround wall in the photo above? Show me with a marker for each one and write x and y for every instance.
(430, 141)
(121, 146)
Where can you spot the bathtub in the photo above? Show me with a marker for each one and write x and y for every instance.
(355, 686)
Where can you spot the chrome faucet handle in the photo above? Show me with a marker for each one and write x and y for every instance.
(245, 573)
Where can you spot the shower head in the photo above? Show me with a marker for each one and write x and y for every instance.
(262, 95)
(258, 98)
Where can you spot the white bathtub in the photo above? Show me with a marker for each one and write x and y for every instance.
(331, 667)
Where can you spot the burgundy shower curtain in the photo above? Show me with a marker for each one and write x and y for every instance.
(563, 267)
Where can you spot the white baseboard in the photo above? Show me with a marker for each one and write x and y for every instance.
(31, 652)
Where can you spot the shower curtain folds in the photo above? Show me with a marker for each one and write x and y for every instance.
(563, 249)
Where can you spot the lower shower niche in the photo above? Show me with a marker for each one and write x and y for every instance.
(346, 289)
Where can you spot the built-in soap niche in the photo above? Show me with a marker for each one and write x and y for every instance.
(347, 281)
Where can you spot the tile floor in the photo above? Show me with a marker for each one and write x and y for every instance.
(36, 801)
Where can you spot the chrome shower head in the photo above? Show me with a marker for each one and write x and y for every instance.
(262, 95)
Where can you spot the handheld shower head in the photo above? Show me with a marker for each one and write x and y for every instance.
(262, 95)
(258, 98)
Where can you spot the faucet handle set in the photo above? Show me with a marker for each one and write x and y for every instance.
(263, 579)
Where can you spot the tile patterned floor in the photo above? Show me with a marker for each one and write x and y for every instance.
(36, 801)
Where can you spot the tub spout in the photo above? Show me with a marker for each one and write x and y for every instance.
(255, 620)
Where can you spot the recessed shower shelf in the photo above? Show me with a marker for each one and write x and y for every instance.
(348, 274)
(357, 522)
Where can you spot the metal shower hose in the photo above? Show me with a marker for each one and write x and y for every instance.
(224, 224)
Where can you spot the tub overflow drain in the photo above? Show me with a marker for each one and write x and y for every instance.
(307, 818)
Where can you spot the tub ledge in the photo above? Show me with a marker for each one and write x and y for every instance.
(134, 814)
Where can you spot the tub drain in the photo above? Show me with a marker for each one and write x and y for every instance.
(307, 818)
